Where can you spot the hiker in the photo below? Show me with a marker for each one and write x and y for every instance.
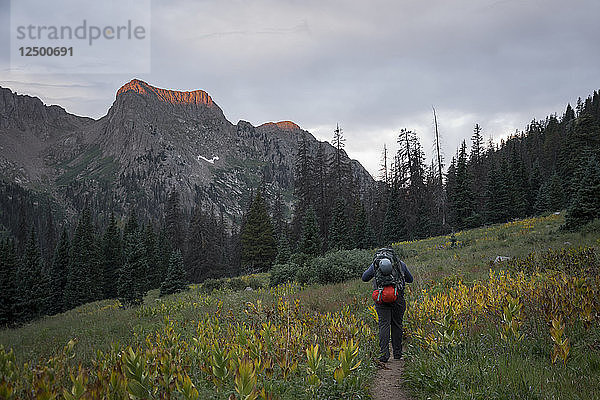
(390, 275)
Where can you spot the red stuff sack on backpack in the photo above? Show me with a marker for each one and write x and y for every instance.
(386, 295)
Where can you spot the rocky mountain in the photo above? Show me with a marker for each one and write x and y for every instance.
(150, 142)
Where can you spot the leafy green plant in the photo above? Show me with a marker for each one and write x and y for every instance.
(511, 320)
(313, 366)
(210, 284)
(561, 346)
(245, 380)
(235, 284)
(282, 273)
(348, 360)
(139, 383)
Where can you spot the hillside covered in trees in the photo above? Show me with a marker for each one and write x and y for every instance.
(48, 267)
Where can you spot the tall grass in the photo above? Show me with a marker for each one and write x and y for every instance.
(481, 366)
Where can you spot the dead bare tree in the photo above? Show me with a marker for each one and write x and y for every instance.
(384, 168)
(441, 199)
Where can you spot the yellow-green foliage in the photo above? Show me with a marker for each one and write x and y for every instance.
(495, 328)
(241, 355)
(507, 299)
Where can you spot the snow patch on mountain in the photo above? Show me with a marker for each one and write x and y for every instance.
(212, 160)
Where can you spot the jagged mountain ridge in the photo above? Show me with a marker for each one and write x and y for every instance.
(151, 141)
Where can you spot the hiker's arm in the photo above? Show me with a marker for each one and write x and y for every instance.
(368, 274)
(408, 278)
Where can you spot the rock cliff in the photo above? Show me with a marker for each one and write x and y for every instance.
(150, 142)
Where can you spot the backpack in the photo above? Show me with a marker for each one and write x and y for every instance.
(389, 286)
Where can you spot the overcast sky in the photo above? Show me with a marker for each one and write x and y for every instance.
(373, 66)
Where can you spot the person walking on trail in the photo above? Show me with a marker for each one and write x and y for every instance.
(391, 274)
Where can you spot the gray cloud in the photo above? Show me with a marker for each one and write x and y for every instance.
(374, 67)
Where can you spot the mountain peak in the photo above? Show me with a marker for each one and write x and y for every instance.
(285, 125)
(169, 96)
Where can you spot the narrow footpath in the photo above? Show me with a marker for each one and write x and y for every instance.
(387, 382)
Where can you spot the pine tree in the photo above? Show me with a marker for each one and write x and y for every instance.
(133, 275)
(569, 114)
(496, 200)
(463, 198)
(321, 198)
(359, 225)
(84, 278)
(364, 236)
(8, 265)
(585, 205)
(163, 254)
(154, 278)
(404, 157)
(217, 255)
(339, 166)
(28, 294)
(125, 286)
(369, 237)
(235, 254)
(174, 221)
(338, 229)
(50, 235)
(542, 200)
(198, 266)
(44, 290)
(550, 196)
(112, 258)
(58, 274)
(451, 192)
(582, 140)
(131, 226)
(22, 228)
(258, 241)
(303, 184)
(207, 244)
(394, 222)
(505, 185)
(579, 107)
(420, 203)
(477, 145)
(175, 279)
(278, 215)
(556, 193)
(519, 187)
(310, 240)
(477, 175)
(284, 251)
(535, 182)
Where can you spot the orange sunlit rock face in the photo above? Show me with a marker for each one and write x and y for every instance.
(169, 96)
(288, 125)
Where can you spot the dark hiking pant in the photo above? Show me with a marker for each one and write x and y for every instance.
(390, 316)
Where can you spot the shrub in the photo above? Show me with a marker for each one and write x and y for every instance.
(300, 259)
(212, 284)
(335, 267)
(235, 284)
(306, 274)
(282, 273)
(591, 227)
(254, 283)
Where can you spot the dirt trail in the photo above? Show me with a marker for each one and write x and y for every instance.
(387, 382)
